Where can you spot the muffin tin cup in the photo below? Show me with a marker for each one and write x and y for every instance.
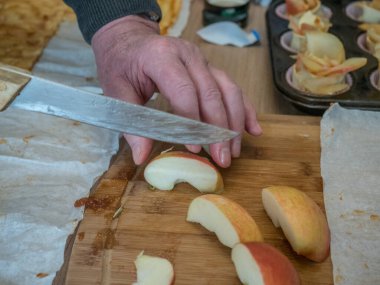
(289, 79)
(363, 92)
(281, 11)
(361, 42)
(355, 12)
(375, 79)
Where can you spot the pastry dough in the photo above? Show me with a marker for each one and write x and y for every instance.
(25, 28)
(170, 11)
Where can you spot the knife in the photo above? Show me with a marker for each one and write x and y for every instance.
(20, 89)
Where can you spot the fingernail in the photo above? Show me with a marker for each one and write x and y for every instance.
(225, 156)
(257, 129)
(194, 148)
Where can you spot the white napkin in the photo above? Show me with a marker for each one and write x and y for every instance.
(228, 33)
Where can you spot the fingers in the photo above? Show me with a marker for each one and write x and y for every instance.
(179, 89)
(251, 123)
(211, 105)
(120, 89)
(141, 148)
(234, 105)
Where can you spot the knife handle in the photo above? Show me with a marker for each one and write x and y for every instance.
(12, 80)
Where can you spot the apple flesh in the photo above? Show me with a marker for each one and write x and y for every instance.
(369, 13)
(300, 218)
(171, 168)
(230, 222)
(262, 264)
(152, 270)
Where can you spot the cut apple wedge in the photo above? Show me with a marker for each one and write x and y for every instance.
(152, 270)
(171, 168)
(262, 264)
(230, 222)
(301, 220)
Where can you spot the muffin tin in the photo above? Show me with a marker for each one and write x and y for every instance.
(362, 93)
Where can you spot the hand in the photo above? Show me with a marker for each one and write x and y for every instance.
(134, 61)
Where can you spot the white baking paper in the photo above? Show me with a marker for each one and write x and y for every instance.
(46, 164)
(350, 165)
(68, 59)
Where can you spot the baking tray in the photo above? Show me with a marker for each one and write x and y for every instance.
(361, 95)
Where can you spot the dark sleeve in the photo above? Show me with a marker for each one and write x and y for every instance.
(94, 14)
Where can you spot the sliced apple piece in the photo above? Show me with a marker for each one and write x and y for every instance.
(152, 270)
(262, 264)
(171, 168)
(347, 66)
(230, 221)
(323, 44)
(301, 220)
(310, 64)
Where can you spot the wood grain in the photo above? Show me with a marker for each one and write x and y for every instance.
(249, 67)
(11, 83)
(287, 153)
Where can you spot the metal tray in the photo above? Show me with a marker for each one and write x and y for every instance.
(362, 94)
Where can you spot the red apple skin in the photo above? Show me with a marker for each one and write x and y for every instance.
(295, 7)
(292, 8)
(185, 155)
(240, 219)
(308, 220)
(275, 267)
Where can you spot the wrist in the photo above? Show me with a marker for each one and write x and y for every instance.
(131, 24)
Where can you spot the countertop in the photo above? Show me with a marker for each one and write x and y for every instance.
(249, 67)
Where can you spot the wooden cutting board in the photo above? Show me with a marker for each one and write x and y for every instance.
(288, 153)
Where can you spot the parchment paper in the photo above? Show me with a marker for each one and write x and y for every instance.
(46, 164)
(350, 165)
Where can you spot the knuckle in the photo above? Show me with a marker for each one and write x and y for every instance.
(163, 45)
(185, 88)
(236, 90)
(211, 94)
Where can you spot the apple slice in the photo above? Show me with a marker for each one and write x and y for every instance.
(297, 7)
(323, 44)
(319, 86)
(301, 220)
(171, 168)
(230, 222)
(347, 66)
(262, 264)
(152, 270)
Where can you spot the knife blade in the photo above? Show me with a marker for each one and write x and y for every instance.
(20, 89)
